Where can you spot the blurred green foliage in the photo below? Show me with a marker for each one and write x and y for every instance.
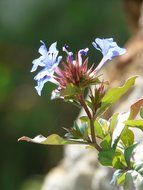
(22, 111)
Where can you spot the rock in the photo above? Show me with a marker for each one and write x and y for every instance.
(79, 171)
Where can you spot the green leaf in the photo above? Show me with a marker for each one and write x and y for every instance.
(89, 103)
(112, 158)
(113, 122)
(127, 137)
(104, 125)
(77, 131)
(70, 91)
(118, 161)
(134, 123)
(83, 129)
(114, 94)
(74, 132)
(106, 143)
(115, 142)
(98, 130)
(84, 119)
(128, 153)
(131, 179)
(121, 179)
(120, 127)
(115, 176)
(134, 180)
(139, 168)
(106, 157)
(141, 112)
(128, 184)
(135, 108)
(53, 139)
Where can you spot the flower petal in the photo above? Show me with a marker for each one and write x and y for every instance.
(82, 52)
(44, 72)
(69, 53)
(52, 48)
(42, 81)
(108, 48)
(55, 94)
(49, 61)
(40, 84)
(36, 63)
(42, 50)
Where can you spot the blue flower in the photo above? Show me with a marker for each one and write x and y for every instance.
(69, 54)
(108, 48)
(49, 60)
(82, 52)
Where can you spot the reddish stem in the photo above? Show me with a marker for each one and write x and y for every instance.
(83, 104)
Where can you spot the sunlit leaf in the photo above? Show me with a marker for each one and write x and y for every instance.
(98, 130)
(119, 128)
(113, 122)
(106, 143)
(135, 108)
(105, 125)
(114, 94)
(135, 123)
(133, 180)
(84, 119)
(112, 158)
(115, 176)
(118, 161)
(127, 137)
(53, 139)
(121, 179)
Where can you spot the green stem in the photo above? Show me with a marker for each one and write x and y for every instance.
(93, 135)
(93, 138)
(83, 104)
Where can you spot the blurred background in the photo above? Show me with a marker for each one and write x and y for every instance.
(23, 23)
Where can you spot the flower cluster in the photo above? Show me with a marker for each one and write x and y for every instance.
(113, 138)
(49, 60)
(74, 71)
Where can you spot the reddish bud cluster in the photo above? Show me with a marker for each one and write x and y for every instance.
(75, 73)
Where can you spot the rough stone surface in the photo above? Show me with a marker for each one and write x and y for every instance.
(79, 171)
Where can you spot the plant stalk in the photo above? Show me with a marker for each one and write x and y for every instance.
(93, 135)
(93, 138)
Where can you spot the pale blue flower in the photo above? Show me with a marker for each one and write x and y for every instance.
(82, 52)
(49, 60)
(108, 48)
(69, 53)
(56, 94)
